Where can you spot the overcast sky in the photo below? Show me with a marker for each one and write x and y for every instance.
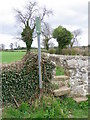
(72, 14)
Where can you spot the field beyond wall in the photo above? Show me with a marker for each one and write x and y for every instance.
(8, 57)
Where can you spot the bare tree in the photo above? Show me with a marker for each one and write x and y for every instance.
(2, 47)
(11, 46)
(47, 35)
(27, 18)
(75, 33)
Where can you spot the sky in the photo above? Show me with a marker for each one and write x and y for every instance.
(71, 14)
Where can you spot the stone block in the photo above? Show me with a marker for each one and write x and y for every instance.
(62, 91)
(80, 99)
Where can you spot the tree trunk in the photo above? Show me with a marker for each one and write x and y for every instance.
(59, 49)
(47, 47)
(28, 45)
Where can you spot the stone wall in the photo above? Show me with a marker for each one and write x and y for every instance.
(77, 68)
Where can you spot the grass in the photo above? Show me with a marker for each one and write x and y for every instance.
(76, 110)
(49, 107)
(8, 57)
(59, 71)
(12, 56)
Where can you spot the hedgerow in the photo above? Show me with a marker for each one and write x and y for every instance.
(20, 80)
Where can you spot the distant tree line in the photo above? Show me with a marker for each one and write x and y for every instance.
(12, 46)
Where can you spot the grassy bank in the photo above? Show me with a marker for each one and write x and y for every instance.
(60, 71)
(49, 107)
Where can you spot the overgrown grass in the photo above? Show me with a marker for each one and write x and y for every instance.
(49, 107)
(76, 110)
(59, 71)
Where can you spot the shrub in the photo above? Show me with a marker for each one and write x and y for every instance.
(66, 52)
(52, 51)
(74, 51)
(86, 53)
(58, 51)
(20, 80)
(71, 51)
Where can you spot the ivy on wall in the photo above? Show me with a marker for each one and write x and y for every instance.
(20, 80)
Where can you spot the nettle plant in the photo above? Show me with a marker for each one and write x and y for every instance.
(20, 80)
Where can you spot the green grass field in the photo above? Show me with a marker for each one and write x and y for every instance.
(12, 56)
(8, 57)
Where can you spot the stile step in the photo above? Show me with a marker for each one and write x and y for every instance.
(61, 91)
(63, 77)
(80, 99)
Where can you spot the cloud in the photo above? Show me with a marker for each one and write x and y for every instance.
(9, 29)
(6, 39)
(71, 14)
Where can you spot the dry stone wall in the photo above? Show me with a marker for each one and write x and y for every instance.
(77, 68)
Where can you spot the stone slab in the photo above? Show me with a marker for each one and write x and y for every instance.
(61, 77)
(61, 91)
(80, 99)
